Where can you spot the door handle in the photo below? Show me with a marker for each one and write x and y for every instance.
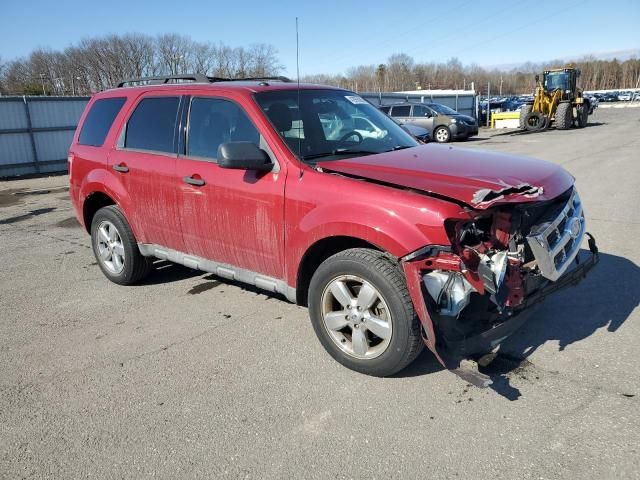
(193, 181)
(122, 168)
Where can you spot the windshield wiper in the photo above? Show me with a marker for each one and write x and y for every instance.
(401, 147)
(339, 151)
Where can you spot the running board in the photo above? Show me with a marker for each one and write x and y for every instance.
(229, 272)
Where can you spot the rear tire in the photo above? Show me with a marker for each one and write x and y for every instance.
(376, 337)
(116, 249)
(564, 116)
(524, 111)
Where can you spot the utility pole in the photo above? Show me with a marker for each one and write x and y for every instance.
(488, 102)
(42, 79)
(500, 84)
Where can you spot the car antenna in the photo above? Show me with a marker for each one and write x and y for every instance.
(298, 81)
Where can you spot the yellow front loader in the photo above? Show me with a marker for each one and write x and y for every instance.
(557, 100)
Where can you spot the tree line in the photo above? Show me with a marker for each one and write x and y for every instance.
(95, 64)
(402, 73)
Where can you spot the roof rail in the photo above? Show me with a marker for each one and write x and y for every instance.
(195, 77)
(278, 79)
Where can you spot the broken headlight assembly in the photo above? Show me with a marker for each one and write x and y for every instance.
(489, 259)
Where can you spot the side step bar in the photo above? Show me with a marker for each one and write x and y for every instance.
(229, 272)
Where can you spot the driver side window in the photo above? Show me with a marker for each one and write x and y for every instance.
(213, 121)
(420, 111)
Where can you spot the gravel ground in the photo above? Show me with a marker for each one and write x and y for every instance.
(189, 376)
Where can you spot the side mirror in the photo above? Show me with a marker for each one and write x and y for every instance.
(243, 156)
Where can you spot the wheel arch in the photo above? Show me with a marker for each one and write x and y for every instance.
(92, 203)
(317, 253)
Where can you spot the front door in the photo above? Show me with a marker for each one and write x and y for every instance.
(234, 217)
(423, 116)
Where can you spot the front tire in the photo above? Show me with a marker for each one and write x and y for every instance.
(442, 135)
(564, 116)
(362, 313)
(583, 115)
(116, 249)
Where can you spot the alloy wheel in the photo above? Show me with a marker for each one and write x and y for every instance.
(110, 248)
(356, 317)
(442, 135)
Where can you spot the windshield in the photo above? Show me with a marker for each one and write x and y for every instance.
(553, 80)
(443, 109)
(331, 124)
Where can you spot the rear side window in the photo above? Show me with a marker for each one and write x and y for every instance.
(401, 111)
(152, 125)
(385, 109)
(213, 121)
(98, 121)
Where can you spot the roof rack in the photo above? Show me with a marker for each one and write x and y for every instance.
(196, 78)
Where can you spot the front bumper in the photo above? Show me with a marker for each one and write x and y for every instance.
(452, 354)
(489, 339)
(460, 131)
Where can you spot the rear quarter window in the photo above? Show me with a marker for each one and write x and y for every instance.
(152, 125)
(98, 121)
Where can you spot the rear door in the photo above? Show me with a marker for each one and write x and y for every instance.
(145, 162)
(234, 217)
(401, 113)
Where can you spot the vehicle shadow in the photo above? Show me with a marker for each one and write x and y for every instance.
(167, 272)
(605, 299)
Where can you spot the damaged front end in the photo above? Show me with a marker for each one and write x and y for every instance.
(474, 293)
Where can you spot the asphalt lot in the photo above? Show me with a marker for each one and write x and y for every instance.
(188, 376)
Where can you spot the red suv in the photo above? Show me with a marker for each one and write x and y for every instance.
(390, 243)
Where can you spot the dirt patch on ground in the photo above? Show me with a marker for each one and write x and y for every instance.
(9, 197)
(70, 222)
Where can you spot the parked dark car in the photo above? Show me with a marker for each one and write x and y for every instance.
(415, 131)
(496, 106)
(445, 123)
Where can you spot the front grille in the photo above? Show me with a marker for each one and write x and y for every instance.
(556, 242)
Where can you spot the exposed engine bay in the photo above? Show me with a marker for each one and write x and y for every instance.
(499, 263)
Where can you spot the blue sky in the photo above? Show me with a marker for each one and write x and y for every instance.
(335, 35)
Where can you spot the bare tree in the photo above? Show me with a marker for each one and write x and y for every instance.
(174, 53)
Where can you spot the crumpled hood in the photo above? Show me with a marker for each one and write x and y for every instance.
(477, 178)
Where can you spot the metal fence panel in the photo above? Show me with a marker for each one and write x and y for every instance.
(12, 114)
(36, 132)
(53, 145)
(16, 147)
(61, 112)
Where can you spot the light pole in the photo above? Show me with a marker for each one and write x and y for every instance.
(42, 75)
(73, 84)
